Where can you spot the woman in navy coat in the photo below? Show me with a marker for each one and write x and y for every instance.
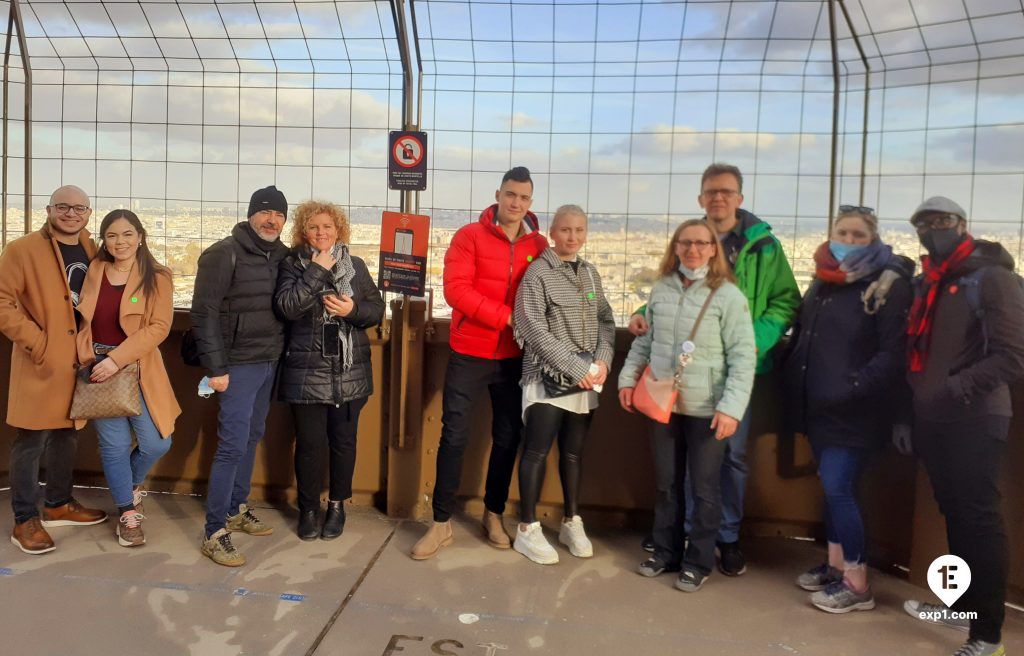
(843, 371)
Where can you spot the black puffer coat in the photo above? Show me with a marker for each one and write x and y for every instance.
(307, 376)
(844, 369)
(233, 318)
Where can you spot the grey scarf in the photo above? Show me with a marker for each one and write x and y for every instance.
(343, 273)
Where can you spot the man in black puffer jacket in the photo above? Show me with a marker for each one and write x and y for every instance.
(239, 340)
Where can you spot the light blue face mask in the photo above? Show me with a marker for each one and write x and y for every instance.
(841, 251)
(699, 273)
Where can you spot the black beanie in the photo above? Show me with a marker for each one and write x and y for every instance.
(268, 198)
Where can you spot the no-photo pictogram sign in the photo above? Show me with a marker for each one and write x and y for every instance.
(407, 161)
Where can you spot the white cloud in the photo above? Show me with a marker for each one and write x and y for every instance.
(524, 120)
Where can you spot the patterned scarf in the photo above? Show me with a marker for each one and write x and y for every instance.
(856, 266)
(343, 271)
(922, 312)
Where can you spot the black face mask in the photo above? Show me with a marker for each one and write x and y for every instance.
(941, 243)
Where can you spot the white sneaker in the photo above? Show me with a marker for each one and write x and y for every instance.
(532, 544)
(571, 534)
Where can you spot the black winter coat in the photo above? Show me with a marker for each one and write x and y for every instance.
(961, 379)
(232, 313)
(307, 376)
(844, 369)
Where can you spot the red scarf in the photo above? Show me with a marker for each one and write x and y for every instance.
(922, 312)
(826, 266)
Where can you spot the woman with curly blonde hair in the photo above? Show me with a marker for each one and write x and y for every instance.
(329, 300)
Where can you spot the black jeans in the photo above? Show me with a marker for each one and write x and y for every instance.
(544, 423)
(962, 459)
(29, 446)
(687, 442)
(464, 382)
(319, 427)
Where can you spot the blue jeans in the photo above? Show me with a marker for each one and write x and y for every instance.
(839, 469)
(733, 484)
(124, 466)
(240, 424)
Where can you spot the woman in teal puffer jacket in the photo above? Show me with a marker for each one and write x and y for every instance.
(714, 391)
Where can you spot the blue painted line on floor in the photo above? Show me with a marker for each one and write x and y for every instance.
(7, 571)
(293, 597)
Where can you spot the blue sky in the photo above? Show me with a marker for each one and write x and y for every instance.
(617, 106)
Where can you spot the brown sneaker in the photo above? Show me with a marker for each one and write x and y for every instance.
(72, 513)
(246, 521)
(219, 549)
(31, 537)
(494, 530)
(137, 495)
(437, 536)
(129, 529)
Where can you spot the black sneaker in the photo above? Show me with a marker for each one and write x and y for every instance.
(647, 544)
(653, 567)
(690, 580)
(730, 559)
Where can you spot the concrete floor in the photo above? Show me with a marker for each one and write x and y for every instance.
(361, 593)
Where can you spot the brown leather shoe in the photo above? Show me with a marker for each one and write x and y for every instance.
(494, 530)
(437, 536)
(72, 513)
(31, 537)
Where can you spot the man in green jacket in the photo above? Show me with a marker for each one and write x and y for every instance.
(764, 275)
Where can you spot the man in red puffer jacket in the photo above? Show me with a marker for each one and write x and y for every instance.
(482, 269)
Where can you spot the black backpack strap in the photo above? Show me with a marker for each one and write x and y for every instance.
(971, 286)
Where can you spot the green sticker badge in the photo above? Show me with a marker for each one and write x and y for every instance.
(135, 299)
(590, 296)
(529, 258)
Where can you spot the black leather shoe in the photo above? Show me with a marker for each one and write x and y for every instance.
(334, 523)
(307, 525)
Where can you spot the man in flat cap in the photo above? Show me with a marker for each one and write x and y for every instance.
(964, 347)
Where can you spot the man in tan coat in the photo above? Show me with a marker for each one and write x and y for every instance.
(41, 276)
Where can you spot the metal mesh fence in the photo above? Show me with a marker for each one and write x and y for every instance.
(180, 110)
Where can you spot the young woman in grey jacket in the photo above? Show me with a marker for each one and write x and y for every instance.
(714, 389)
(567, 331)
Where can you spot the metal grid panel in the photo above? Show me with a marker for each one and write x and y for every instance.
(180, 109)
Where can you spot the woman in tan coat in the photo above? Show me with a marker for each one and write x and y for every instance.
(126, 307)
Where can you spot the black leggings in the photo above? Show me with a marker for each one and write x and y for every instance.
(544, 422)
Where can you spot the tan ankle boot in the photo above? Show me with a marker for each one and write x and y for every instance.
(495, 531)
(437, 536)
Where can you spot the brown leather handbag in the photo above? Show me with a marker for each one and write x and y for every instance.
(118, 396)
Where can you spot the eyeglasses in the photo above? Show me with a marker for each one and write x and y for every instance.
(63, 208)
(708, 194)
(860, 209)
(935, 221)
(686, 244)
